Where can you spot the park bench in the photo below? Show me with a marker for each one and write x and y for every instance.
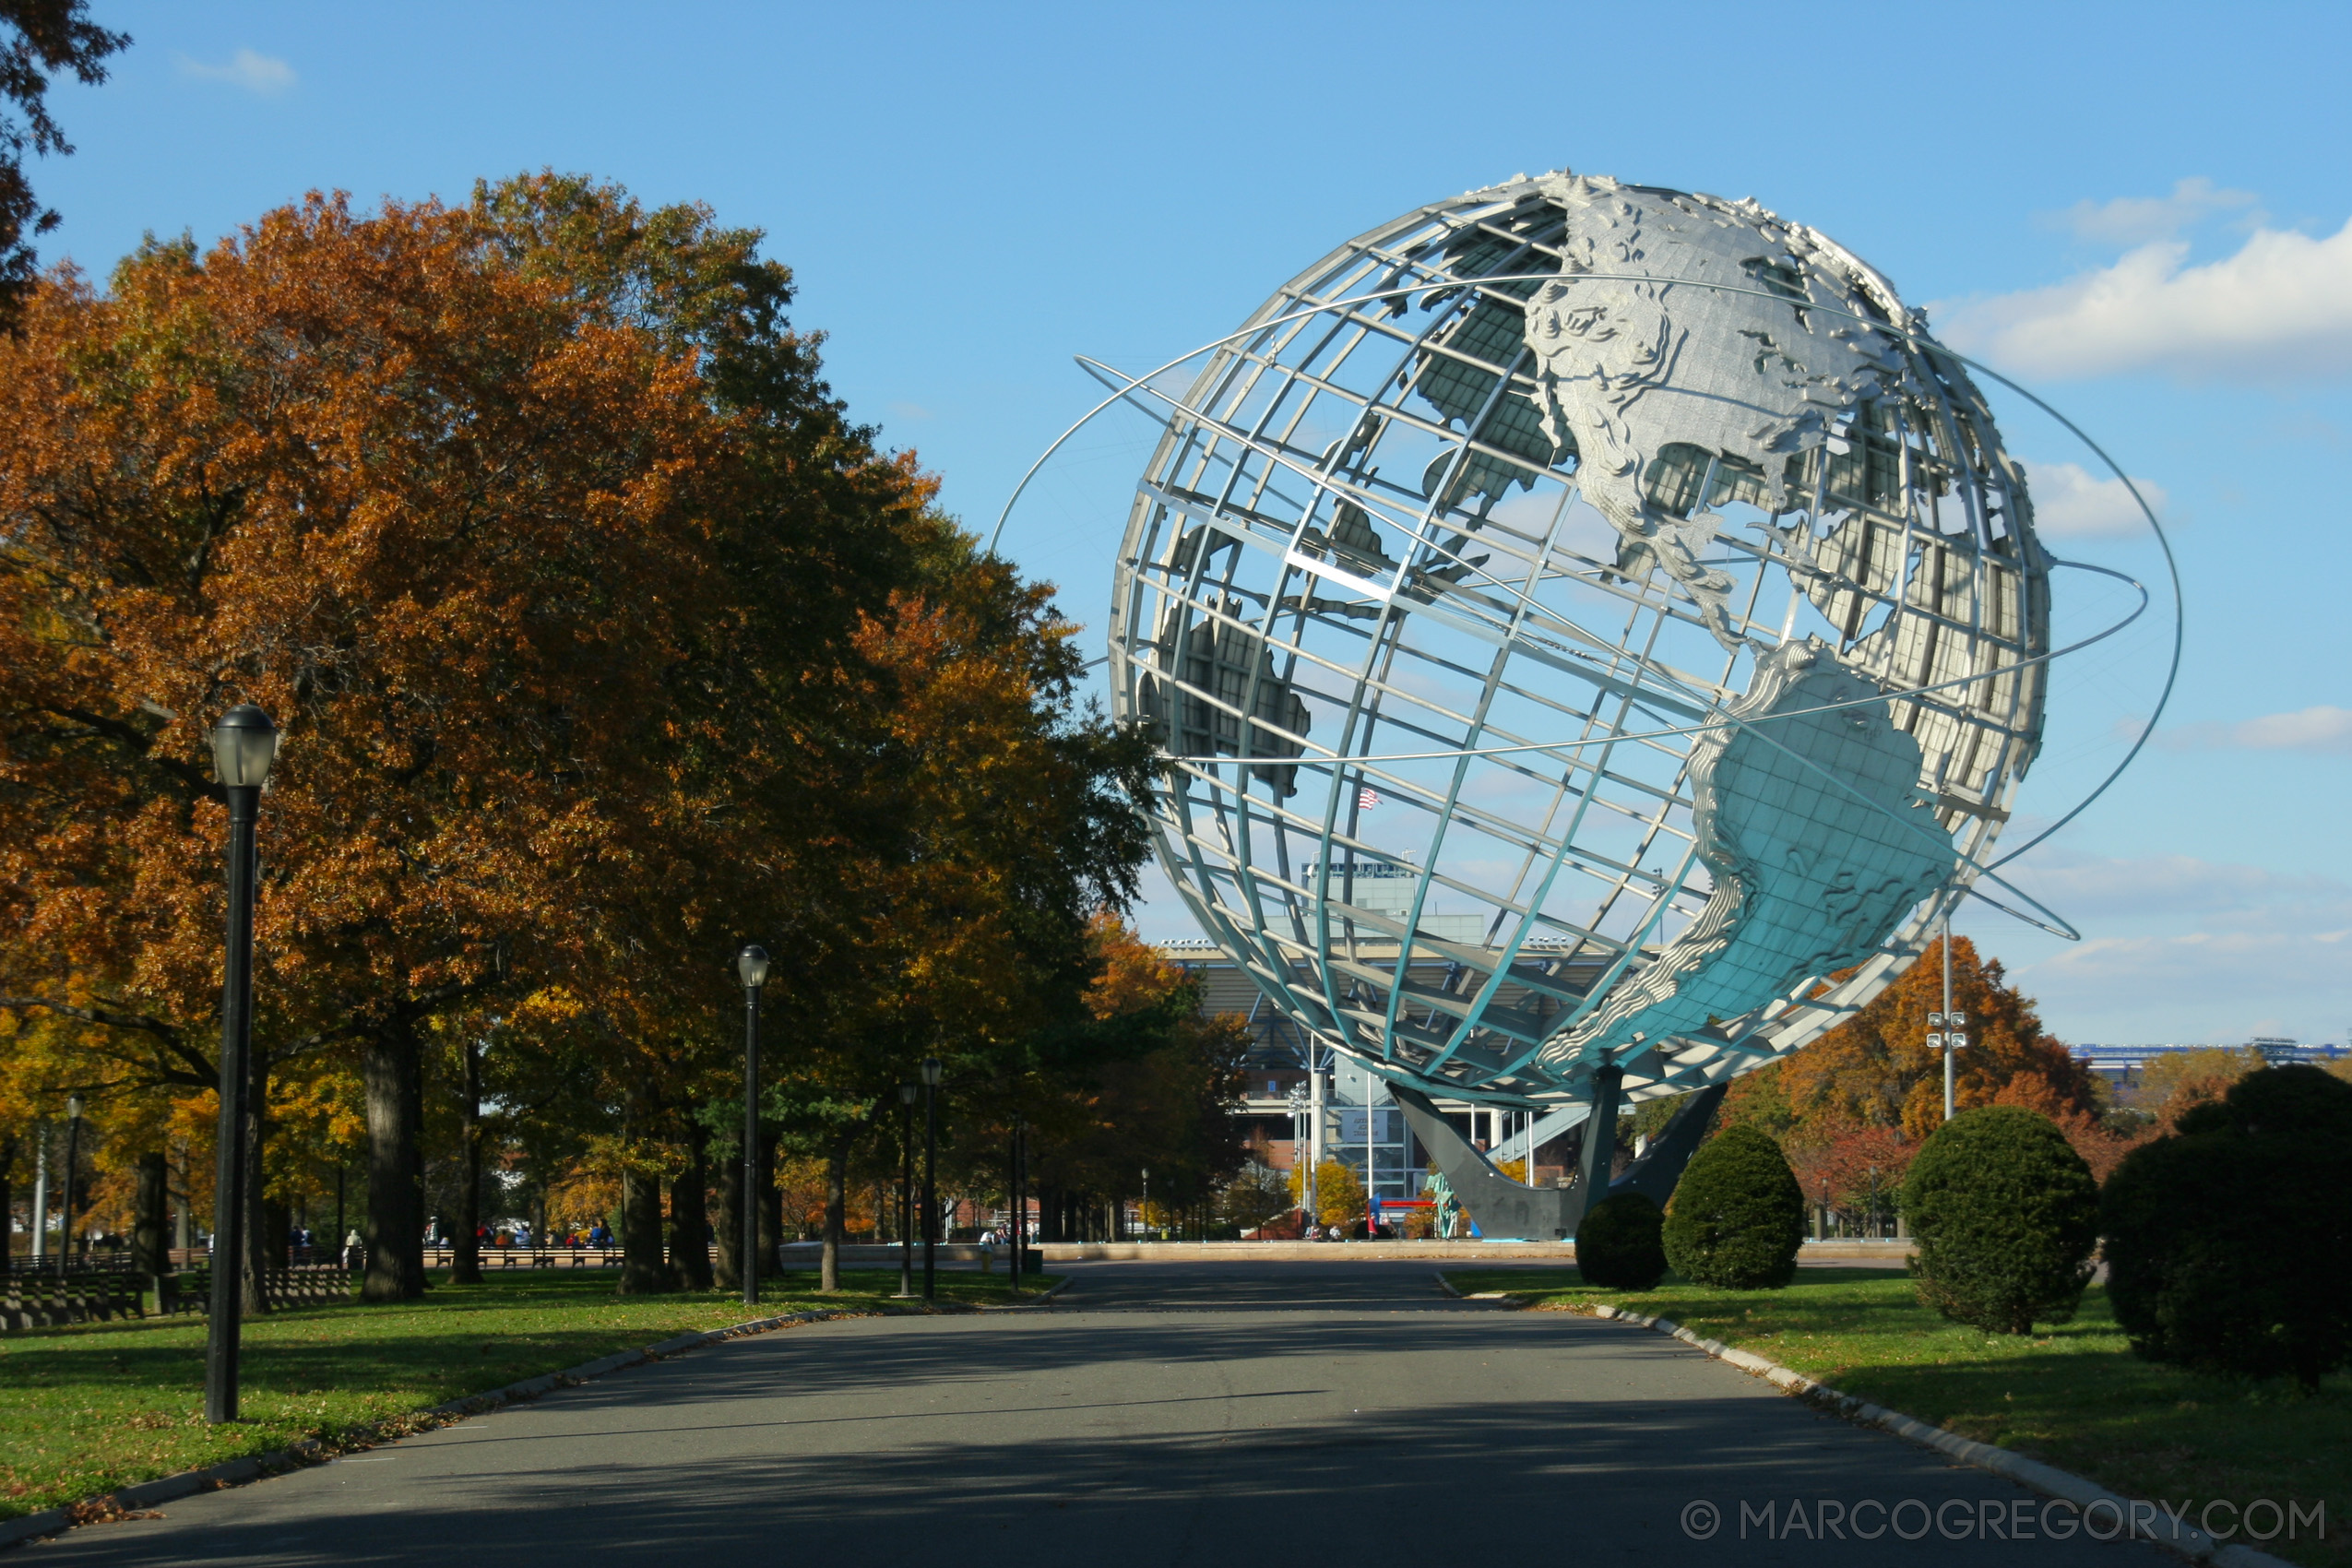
(47, 1301)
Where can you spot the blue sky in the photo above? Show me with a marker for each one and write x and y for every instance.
(2139, 211)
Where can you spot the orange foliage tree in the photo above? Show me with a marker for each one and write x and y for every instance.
(1871, 1088)
(533, 524)
(1146, 1080)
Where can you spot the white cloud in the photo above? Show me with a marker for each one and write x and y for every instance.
(2223, 985)
(2070, 504)
(2154, 885)
(2135, 221)
(2279, 310)
(2179, 948)
(263, 74)
(2320, 732)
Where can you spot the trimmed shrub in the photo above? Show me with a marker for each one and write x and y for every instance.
(2006, 1215)
(1736, 1218)
(2229, 1244)
(1617, 1243)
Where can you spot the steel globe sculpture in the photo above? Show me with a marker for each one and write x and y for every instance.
(1594, 632)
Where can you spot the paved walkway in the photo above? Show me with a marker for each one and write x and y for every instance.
(1166, 1414)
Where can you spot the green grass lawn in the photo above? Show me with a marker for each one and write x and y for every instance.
(2074, 1396)
(92, 1407)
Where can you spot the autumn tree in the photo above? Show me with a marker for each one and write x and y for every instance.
(535, 527)
(2174, 1083)
(37, 38)
(1855, 1169)
(1145, 1079)
(993, 813)
(1875, 1071)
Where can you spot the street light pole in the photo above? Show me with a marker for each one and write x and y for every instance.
(751, 967)
(1315, 1136)
(930, 1175)
(907, 1094)
(243, 744)
(1948, 1030)
(73, 1158)
(1016, 1178)
(1948, 1073)
(41, 1193)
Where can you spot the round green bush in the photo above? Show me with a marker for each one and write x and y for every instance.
(1736, 1218)
(2006, 1215)
(2229, 1244)
(1617, 1243)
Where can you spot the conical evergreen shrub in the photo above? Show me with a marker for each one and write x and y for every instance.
(1737, 1217)
(2006, 1215)
(2229, 1244)
(1617, 1246)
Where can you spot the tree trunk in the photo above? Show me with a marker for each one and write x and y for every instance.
(727, 1221)
(645, 1271)
(465, 1259)
(395, 1193)
(183, 1211)
(836, 1205)
(689, 1218)
(7, 1202)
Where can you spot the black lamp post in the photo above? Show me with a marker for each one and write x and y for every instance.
(930, 1174)
(73, 1159)
(906, 1096)
(751, 964)
(243, 744)
(1016, 1198)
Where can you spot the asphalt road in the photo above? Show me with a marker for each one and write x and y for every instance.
(1217, 1414)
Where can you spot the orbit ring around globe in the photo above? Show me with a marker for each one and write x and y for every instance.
(1589, 629)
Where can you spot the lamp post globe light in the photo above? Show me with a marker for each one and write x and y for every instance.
(930, 1175)
(244, 742)
(907, 1095)
(751, 967)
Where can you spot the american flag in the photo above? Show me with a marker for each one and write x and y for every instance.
(1366, 798)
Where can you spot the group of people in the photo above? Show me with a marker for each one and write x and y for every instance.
(520, 1235)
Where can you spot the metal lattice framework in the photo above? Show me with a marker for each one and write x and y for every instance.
(1432, 705)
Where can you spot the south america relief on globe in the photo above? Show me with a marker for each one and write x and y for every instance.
(1592, 630)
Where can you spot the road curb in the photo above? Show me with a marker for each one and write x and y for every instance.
(2047, 1479)
(137, 1498)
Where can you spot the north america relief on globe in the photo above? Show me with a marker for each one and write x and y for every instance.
(1587, 625)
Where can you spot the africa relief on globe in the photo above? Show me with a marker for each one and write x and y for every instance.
(1587, 625)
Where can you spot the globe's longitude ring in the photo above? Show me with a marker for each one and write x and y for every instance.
(2156, 527)
(2052, 922)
